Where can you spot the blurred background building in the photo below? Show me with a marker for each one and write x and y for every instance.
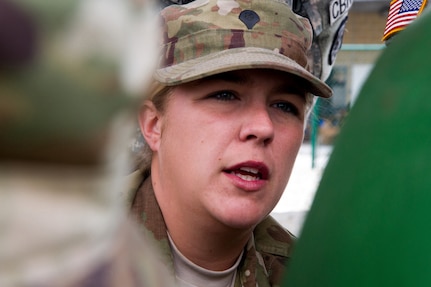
(362, 45)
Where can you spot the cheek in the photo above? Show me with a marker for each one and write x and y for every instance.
(186, 140)
(289, 144)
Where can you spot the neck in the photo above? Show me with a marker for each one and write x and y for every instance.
(190, 274)
(207, 243)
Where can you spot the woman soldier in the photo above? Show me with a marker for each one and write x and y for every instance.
(223, 123)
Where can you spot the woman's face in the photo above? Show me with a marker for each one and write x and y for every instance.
(225, 146)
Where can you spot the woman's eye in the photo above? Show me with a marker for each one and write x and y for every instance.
(224, 96)
(287, 107)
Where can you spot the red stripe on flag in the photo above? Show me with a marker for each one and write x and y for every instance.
(397, 21)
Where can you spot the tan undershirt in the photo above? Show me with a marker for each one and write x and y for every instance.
(189, 274)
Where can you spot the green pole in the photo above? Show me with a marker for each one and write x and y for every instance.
(314, 132)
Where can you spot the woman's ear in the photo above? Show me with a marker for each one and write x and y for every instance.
(150, 124)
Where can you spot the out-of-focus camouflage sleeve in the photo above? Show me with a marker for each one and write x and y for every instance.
(63, 127)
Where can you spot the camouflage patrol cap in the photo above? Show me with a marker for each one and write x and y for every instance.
(207, 37)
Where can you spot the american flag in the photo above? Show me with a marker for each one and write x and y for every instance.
(401, 14)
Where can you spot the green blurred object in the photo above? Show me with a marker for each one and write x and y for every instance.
(369, 224)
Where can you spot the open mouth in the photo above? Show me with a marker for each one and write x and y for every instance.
(249, 173)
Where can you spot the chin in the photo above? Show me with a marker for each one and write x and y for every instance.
(244, 220)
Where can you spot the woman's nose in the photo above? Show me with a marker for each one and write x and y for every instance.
(257, 125)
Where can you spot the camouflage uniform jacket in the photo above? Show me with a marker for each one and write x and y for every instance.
(264, 258)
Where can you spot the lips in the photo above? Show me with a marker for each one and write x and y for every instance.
(249, 171)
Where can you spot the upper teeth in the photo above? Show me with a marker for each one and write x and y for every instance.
(250, 170)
